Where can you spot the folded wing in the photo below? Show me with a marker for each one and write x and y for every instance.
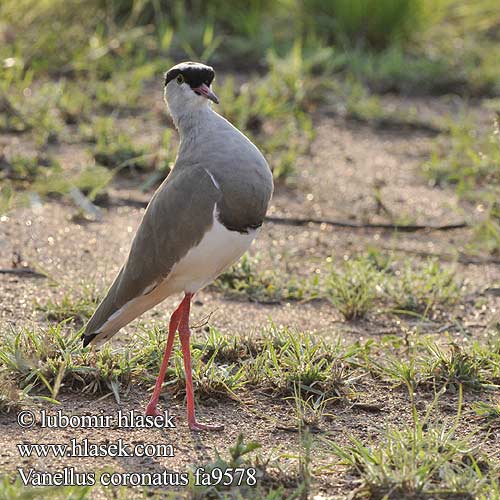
(177, 217)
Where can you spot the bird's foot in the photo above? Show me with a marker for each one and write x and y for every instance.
(152, 410)
(197, 426)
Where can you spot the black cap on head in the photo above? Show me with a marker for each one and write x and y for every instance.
(194, 73)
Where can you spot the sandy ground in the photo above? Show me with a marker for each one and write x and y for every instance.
(335, 181)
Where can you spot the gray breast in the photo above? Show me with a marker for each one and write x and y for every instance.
(241, 173)
(245, 182)
(245, 198)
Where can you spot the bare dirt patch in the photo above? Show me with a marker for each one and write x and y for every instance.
(337, 180)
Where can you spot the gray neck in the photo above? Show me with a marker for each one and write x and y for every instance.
(192, 125)
(191, 121)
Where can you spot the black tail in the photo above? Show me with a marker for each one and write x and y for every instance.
(87, 338)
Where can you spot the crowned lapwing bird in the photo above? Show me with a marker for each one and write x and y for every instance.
(202, 219)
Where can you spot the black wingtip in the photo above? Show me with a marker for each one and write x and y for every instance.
(87, 339)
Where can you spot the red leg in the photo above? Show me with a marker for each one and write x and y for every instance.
(151, 409)
(184, 334)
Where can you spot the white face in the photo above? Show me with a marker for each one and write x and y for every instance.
(181, 99)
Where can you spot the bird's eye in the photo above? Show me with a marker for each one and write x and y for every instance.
(180, 79)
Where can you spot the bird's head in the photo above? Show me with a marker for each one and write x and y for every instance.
(187, 88)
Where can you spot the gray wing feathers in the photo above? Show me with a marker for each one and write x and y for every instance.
(176, 219)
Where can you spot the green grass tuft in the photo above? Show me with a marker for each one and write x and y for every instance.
(47, 360)
(244, 280)
(421, 290)
(425, 459)
(353, 289)
(289, 359)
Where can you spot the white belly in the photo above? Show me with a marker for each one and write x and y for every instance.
(218, 249)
